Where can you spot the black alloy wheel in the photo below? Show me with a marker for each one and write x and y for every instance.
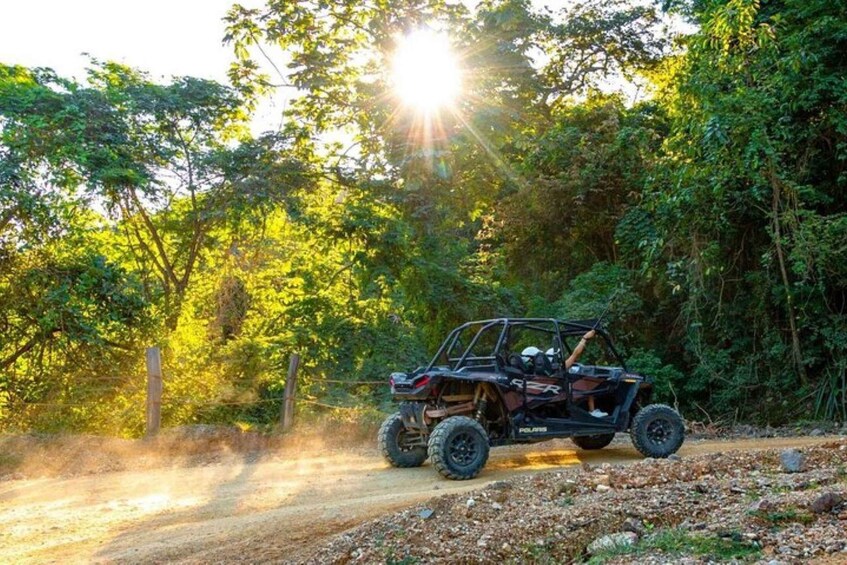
(657, 431)
(458, 447)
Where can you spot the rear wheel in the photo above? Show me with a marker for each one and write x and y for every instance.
(458, 448)
(657, 431)
(395, 443)
(593, 442)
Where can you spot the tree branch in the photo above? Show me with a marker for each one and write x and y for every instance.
(168, 269)
(33, 341)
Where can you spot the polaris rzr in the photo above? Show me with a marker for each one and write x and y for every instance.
(490, 384)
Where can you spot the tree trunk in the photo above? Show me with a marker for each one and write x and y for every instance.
(796, 352)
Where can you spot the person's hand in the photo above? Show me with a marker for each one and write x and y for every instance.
(588, 335)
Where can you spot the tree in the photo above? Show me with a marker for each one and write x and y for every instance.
(445, 180)
(158, 158)
(583, 176)
(754, 160)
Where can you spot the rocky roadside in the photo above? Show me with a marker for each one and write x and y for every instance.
(765, 507)
(701, 430)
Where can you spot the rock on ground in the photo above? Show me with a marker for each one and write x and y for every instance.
(612, 541)
(792, 461)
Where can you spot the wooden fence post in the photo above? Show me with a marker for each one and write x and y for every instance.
(154, 390)
(290, 392)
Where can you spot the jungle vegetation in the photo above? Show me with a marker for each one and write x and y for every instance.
(591, 149)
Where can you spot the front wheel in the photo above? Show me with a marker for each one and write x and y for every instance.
(657, 431)
(593, 442)
(395, 444)
(458, 448)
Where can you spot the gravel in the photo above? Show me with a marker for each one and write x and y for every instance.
(743, 500)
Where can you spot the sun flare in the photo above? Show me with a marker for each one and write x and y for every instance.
(425, 71)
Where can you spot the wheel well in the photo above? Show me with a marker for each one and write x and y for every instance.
(643, 397)
(478, 400)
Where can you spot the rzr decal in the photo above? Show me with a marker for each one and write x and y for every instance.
(536, 387)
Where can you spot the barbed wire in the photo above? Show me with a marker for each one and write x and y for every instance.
(192, 402)
(135, 386)
(55, 404)
(331, 406)
(196, 403)
(336, 381)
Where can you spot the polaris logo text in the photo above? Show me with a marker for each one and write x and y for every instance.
(532, 430)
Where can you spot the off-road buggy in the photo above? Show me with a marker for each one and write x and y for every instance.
(492, 383)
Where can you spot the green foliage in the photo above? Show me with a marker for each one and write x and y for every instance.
(603, 288)
(785, 516)
(678, 543)
(666, 377)
(746, 205)
(134, 212)
(66, 313)
(587, 170)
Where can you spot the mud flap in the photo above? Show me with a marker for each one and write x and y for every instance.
(625, 398)
(412, 414)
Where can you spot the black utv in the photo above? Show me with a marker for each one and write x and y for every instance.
(505, 381)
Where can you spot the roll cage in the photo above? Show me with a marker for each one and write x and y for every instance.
(453, 357)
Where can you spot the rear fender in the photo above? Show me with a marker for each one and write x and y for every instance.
(490, 384)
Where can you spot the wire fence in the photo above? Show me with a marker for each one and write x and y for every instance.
(329, 406)
(134, 401)
(336, 381)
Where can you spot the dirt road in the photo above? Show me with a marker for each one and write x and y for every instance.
(252, 510)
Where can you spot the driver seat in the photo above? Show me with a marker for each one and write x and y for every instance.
(542, 365)
(516, 362)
